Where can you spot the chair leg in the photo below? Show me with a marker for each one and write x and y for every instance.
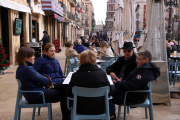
(174, 80)
(124, 112)
(127, 109)
(119, 112)
(50, 112)
(39, 110)
(19, 113)
(34, 110)
(146, 113)
(15, 113)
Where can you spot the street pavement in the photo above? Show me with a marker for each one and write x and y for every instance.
(8, 94)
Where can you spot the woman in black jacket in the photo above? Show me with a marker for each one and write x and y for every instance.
(91, 76)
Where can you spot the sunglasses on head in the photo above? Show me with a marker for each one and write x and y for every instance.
(126, 51)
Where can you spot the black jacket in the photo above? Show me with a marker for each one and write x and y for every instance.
(174, 48)
(137, 80)
(96, 44)
(86, 44)
(116, 67)
(92, 77)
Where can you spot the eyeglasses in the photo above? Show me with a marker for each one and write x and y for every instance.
(126, 51)
(138, 59)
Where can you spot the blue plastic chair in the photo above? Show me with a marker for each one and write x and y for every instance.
(89, 92)
(66, 67)
(147, 104)
(176, 73)
(106, 64)
(72, 64)
(22, 103)
(170, 69)
(109, 58)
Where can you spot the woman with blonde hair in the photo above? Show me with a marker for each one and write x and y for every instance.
(91, 76)
(78, 46)
(105, 50)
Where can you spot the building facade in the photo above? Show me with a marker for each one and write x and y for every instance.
(63, 19)
(109, 22)
(89, 17)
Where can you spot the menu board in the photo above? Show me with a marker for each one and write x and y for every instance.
(18, 26)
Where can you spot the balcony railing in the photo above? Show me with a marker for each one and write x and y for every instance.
(110, 3)
(111, 10)
(86, 17)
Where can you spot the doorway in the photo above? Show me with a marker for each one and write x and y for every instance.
(5, 30)
(21, 17)
(35, 30)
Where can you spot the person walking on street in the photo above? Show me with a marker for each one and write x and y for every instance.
(45, 39)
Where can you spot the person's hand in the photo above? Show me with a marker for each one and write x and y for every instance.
(114, 81)
(114, 77)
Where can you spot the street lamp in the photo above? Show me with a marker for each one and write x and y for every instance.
(170, 3)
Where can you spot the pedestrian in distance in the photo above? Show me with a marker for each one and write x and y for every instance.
(45, 39)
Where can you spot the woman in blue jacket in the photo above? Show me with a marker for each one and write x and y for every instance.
(33, 81)
(78, 46)
(49, 65)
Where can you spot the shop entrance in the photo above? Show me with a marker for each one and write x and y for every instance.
(35, 27)
(21, 17)
(5, 30)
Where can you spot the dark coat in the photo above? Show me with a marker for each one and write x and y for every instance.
(46, 40)
(31, 80)
(50, 67)
(137, 80)
(96, 44)
(79, 48)
(168, 52)
(92, 77)
(117, 66)
(86, 44)
(174, 48)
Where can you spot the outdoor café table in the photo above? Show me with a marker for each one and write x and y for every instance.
(68, 78)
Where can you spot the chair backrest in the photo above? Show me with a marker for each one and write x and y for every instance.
(19, 84)
(90, 92)
(109, 58)
(170, 63)
(149, 84)
(71, 62)
(177, 65)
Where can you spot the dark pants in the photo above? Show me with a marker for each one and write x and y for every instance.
(53, 96)
(118, 98)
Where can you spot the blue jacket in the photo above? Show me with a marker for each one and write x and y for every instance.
(31, 80)
(50, 67)
(137, 80)
(79, 48)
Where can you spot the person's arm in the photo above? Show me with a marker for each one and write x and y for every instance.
(44, 37)
(37, 65)
(113, 67)
(34, 76)
(134, 83)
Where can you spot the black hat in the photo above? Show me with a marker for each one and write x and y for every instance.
(128, 45)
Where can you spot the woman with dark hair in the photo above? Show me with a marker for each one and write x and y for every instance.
(31, 80)
(49, 65)
(91, 76)
(45, 39)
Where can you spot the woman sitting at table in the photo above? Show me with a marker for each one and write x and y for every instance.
(91, 76)
(105, 50)
(49, 65)
(70, 50)
(78, 46)
(31, 80)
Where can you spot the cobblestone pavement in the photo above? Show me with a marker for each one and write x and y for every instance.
(8, 94)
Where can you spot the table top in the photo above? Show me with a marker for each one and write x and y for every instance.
(68, 78)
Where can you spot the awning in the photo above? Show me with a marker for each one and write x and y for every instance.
(58, 17)
(52, 6)
(15, 6)
(36, 10)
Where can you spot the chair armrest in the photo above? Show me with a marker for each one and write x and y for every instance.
(134, 91)
(24, 91)
(68, 98)
(110, 97)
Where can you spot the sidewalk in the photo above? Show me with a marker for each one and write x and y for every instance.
(8, 94)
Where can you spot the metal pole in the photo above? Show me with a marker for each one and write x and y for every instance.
(169, 34)
(30, 25)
